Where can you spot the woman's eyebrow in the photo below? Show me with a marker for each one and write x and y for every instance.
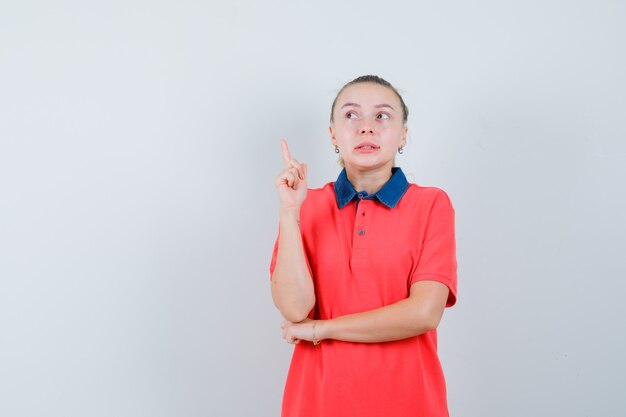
(378, 106)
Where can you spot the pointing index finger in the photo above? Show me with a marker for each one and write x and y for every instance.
(286, 154)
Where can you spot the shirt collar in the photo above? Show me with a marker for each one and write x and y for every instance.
(389, 194)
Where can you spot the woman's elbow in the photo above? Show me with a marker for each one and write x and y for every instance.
(293, 301)
(296, 313)
(294, 310)
(429, 319)
(293, 316)
(432, 323)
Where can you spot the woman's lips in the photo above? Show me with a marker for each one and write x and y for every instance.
(366, 148)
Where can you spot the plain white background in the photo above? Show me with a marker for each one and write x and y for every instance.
(138, 149)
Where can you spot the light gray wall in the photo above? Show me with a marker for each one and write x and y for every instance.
(138, 148)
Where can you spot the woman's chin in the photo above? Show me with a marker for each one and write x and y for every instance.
(363, 164)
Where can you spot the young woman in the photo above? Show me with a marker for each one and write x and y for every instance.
(362, 270)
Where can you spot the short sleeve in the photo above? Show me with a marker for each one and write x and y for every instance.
(437, 259)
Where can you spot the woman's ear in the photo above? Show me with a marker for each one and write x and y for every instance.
(403, 141)
(333, 140)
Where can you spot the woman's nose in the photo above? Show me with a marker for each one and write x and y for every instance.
(366, 128)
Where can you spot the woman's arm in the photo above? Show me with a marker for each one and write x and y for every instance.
(417, 314)
(292, 287)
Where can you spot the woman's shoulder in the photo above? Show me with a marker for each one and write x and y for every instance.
(325, 187)
(319, 200)
(428, 195)
(321, 195)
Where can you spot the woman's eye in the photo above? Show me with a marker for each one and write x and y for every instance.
(351, 115)
(382, 116)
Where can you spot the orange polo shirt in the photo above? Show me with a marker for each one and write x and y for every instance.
(365, 253)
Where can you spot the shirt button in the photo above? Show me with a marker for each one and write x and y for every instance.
(361, 232)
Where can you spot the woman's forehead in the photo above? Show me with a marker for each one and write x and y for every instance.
(368, 94)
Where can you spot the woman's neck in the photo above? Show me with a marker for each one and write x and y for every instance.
(369, 181)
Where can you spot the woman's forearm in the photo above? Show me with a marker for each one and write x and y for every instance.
(417, 314)
(393, 322)
(292, 286)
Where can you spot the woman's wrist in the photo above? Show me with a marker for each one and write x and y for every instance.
(290, 212)
(322, 330)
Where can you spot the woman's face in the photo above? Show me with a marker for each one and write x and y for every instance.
(368, 126)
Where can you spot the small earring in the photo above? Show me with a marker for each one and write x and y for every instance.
(336, 149)
(400, 150)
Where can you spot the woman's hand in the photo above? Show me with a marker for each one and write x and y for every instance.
(291, 183)
(305, 330)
